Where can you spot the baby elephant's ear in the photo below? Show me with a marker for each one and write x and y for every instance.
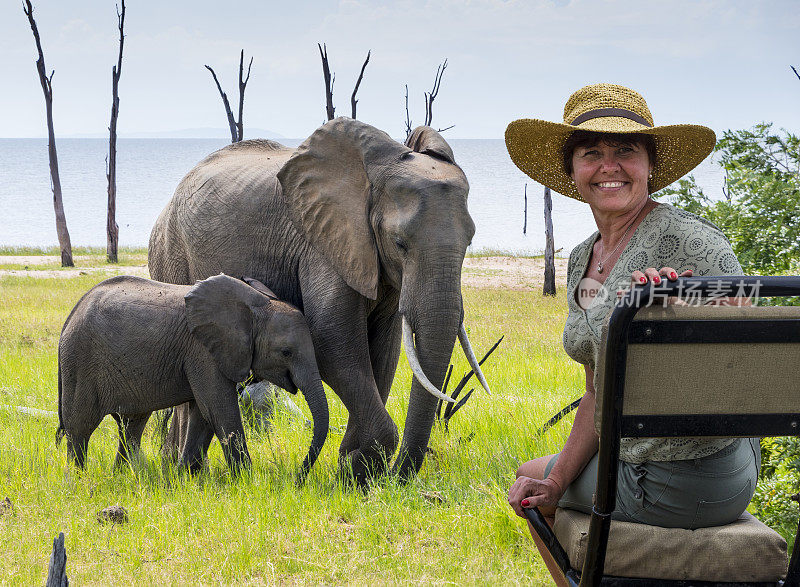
(258, 286)
(219, 311)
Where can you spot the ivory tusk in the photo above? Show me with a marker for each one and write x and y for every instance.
(416, 368)
(473, 361)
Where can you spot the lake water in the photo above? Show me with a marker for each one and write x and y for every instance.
(148, 170)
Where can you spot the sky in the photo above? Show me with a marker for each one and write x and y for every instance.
(722, 63)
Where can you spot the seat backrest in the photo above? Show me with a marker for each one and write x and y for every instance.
(692, 362)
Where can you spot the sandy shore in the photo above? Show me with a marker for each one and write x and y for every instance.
(481, 272)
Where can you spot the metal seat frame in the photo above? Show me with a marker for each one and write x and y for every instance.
(622, 330)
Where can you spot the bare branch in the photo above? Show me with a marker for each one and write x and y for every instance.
(445, 128)
(353, 100)
(231, 121)
(55, 180)
(795, 71)
(242, 86)
(408, 117)
(431, 96)
(326, 74)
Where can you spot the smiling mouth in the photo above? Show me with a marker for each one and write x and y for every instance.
(610, 184)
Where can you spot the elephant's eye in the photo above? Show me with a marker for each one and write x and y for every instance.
(286, 352)
(401, 245)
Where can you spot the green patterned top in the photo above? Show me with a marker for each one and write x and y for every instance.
(666, 237)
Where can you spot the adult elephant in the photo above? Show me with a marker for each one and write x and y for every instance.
(366, 236)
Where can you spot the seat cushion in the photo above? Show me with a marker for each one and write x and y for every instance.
(745, 550)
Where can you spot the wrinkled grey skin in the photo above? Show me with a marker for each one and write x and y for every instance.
(356, 230)
(132, 346)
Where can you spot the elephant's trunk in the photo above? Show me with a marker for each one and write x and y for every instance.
(311, 386)
(433, 313)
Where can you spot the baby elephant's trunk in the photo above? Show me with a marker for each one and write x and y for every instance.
(318, 404)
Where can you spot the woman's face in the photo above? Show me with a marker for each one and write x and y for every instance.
(611, 178)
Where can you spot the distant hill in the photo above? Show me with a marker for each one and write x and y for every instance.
(186, 133)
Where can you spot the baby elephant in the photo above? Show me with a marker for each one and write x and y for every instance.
(132, 346)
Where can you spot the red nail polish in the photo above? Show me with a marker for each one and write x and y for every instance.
(656, 280)
(525, 503)
(642, 280)
(673, 275)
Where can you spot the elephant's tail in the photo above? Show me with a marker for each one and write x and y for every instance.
(60, 432)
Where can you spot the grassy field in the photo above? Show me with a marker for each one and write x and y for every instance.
(260, 528)
(83, 257)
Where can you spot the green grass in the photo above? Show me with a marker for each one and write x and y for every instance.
(490, 252)
(260, 528)
(83, 257)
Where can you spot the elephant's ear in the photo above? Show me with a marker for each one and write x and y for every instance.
(327, 187)
(260, 287)
(219, 311)
(429, 142)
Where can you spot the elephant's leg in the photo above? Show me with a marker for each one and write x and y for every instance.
(131, 429)
(175, 437)
(81, 415)
(215, 396)
(199, 434)
(384, 333)
(337, 317)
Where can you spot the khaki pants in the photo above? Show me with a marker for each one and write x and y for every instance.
(694, 493)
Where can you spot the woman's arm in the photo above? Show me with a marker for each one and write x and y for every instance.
(528, 492)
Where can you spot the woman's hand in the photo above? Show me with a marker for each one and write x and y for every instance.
(528, 493)
(651, 274)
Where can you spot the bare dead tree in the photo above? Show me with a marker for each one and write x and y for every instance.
(228, 113)
(47, 87)
(112, 228)
(353, 100)
(57, 569)
(236, 128)
(795, 71)
(549, 248)
(431, 96)
(242, 86)
(329, 79)
(525, 213)
(408, 117)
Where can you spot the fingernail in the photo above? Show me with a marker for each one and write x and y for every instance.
(525, 503)
(642, 280)
(656, 279)
(673, 275)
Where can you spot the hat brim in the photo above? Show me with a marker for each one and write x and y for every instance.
(535, 147)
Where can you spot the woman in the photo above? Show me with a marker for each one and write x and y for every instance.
(609, 154)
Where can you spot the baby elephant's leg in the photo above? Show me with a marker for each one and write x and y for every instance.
(215, 397)
(196, 439)
(130, 436)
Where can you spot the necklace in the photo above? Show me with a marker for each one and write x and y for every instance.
(601, 263)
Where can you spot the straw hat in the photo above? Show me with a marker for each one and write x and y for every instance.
(535, 145)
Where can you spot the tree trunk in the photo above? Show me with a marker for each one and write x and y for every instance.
(549, 247)
(112, 228)
(57, 571)
(231, 121)
(329, 79)
(242, 86)
(353, 100)
(525, 213)
(47, 88)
